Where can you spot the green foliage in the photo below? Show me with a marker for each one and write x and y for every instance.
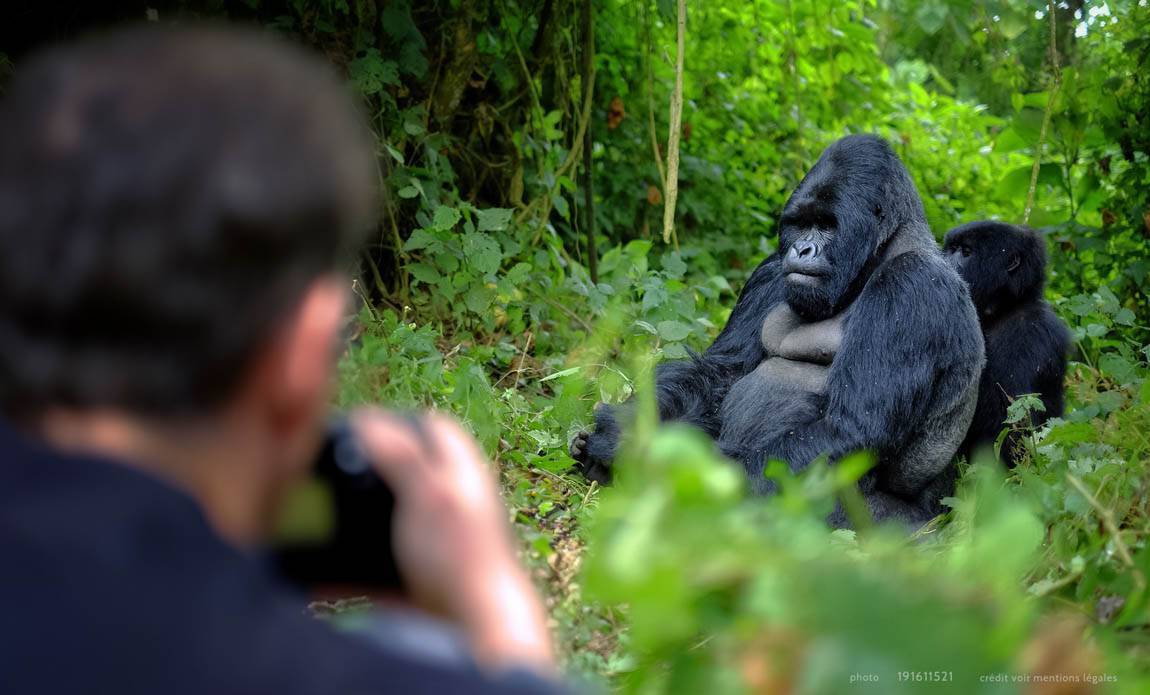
(478, 302)
(783, 600)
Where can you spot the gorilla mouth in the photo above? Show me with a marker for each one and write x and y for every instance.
(801, 278)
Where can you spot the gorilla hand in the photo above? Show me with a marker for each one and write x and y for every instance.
(594, 451)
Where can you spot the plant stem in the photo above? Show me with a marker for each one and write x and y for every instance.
(672, 184)
(588, 180)
(1055, 83)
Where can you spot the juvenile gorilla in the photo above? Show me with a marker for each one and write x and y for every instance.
(855, 335)
(1026, 344)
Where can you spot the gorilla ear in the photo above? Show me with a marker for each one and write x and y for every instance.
(1015, 261)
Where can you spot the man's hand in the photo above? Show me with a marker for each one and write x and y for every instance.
(452, 541)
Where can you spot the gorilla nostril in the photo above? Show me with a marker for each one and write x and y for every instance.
(806, 249)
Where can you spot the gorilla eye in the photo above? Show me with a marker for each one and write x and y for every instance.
(965, 251)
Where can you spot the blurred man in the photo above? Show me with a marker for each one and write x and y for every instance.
(174, 210)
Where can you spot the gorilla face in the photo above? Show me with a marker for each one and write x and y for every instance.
(836, 222)
(818, 266)
(1002, 264)
(806, 263)
(843, 216)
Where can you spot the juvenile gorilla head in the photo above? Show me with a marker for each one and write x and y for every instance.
(1003, 264)
(839, 221)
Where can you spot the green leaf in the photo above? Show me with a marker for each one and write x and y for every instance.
(420, 239)
(1012, 23)
(1110, 401)
(1022, 406)
(1070, 433)
(412, 60)
(445, 217)
(492, 219)
(648, 328)
(1027, 124)
(931, 16)
(852, 467)
(423, 272)
(1080, 305)
(674, 266)
(561, 206)
(479, 298)
(370, 73)
(1124, 317)
(1016, 183)
(397, 156)
(1118, 368)
(673, 330)
(482, 252)
(562, 373)
(412, 189)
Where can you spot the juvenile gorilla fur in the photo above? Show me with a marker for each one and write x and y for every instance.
(1026, 344)
(856, 335)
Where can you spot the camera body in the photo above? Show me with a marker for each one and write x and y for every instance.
(337, 526)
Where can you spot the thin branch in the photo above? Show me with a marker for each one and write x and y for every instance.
(588, 181)
(1059, 583)
(570, 314)
(672, 183)
(517, 371)
(527, 76)
(649, 82)
(572, 154)
(793, 71)
(584, 120)
(1055, 84)
(1111, 527)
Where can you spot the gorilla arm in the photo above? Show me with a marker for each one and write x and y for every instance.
(692, 390)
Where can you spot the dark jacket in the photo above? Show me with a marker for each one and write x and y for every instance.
(112, 582)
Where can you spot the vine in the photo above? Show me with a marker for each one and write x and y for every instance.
(672, 184)
(1055, 84)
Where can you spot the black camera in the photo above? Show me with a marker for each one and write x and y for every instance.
(336, 529)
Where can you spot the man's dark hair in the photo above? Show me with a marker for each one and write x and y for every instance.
(166, 196)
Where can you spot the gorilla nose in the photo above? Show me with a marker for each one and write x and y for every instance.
(804, 249)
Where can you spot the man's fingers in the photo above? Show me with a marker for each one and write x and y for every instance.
(461, 456)
(396, 448)
(417, 423)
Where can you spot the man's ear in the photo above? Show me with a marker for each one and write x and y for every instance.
(293, 374)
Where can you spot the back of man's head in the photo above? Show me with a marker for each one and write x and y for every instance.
(166, 196)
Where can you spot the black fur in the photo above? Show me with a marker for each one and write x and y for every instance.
(903, 383)
(1026, 343)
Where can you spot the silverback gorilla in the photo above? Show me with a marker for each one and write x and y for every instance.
(1026, 343)
(855, 335)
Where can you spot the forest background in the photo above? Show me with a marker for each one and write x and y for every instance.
(556, 218)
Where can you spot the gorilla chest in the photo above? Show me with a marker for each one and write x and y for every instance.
(799, 354)
(789, 384)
